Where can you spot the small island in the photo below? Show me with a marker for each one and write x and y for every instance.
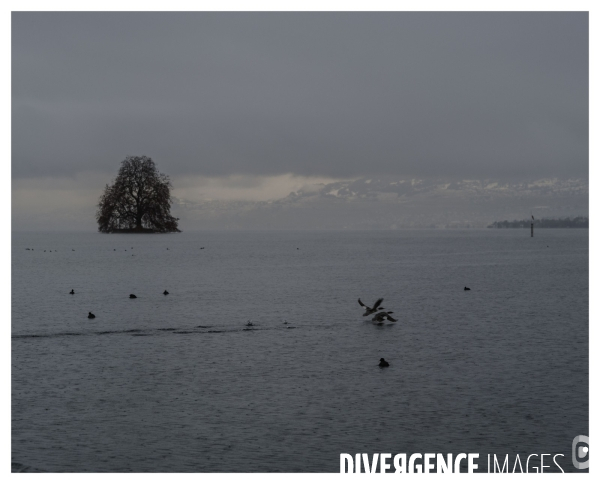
(544, 223)
(138, 201)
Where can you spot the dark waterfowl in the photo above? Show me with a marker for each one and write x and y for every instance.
(467, 288)
(382, 316)
(383, 363)
(166, 292)
(91, 316)
(369, 310)
(132, 296)
(72, 291)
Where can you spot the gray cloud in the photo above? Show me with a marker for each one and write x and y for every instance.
(314, 94)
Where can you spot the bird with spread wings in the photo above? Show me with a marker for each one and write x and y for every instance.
(376, 307)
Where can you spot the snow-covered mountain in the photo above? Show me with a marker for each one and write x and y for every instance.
(386, 203)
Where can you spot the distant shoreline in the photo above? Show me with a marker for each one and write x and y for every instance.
(559, 223)
(139, 231)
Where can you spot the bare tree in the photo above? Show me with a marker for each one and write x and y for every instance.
(139, 200)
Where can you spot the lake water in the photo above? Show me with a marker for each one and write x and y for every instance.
(179, 383)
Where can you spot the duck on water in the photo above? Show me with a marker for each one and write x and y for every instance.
(382, 316)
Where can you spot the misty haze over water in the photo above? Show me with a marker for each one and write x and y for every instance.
(179, 383)
(365, 203)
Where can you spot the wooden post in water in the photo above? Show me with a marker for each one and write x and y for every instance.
(532, 225)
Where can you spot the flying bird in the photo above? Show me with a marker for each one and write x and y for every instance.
(369, 310)
(382, 316)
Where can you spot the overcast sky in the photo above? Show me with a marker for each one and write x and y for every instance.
(255, 105)
(312, 94)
